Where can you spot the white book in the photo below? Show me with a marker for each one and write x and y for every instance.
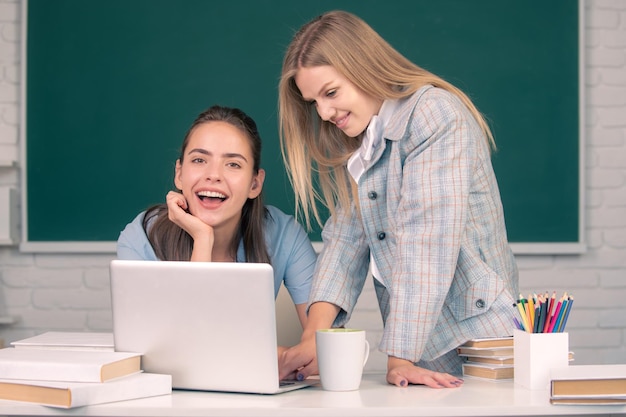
(67, 365)
(589, 372)
(68, 341)
(76, 394)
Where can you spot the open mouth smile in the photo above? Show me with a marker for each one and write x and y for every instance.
(211, 196)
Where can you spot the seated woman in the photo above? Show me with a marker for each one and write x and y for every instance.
(218, 214)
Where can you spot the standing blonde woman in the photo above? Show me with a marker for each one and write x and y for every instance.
(404, 168)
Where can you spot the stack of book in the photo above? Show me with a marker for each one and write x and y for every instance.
(489, 358)
(61, 371)
(588, 384)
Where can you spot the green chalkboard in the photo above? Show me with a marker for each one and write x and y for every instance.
(111, 87)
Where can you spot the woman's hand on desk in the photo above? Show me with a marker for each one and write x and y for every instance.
(298, 362)
(401, 373)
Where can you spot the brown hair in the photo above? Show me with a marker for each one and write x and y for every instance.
(172, 243)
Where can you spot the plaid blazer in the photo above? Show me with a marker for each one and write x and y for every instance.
(431, 216)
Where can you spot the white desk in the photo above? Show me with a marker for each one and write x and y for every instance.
(375, 398)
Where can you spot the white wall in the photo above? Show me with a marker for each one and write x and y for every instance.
(70, 292)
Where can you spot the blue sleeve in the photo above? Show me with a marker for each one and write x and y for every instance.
(292, 255)
(133, 244)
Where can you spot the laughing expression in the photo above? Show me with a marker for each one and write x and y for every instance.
(216, 175)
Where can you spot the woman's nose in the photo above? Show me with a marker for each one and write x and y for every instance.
(325, 112)
(213, 174)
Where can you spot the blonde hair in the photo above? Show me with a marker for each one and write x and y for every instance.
(312, 146)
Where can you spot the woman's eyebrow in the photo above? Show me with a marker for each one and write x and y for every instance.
(225, 155)
(235, 155)
(199, 150)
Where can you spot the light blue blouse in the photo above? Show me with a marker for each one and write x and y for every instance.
(292, 255)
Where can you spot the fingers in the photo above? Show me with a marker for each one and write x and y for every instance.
(447, 380)
(176, 203)
(297, 363)
(403, 376)
(177, 212)
(306, 371)
(288, 368)
(397, 379)
(285, 370)
(288, 377)
(440, 380)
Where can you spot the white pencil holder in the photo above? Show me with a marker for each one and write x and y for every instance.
(535, 354)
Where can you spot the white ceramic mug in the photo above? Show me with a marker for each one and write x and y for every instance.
(341, 356)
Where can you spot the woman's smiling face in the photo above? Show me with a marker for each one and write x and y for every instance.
(216, 175)
(336, 99)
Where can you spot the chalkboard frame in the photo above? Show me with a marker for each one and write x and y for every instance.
(82, 246)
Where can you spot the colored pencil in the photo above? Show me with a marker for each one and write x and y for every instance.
(569, 308)
(549, 314)
(542, 313)
(557, 311)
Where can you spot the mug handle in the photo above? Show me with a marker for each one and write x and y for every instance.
(367, 352)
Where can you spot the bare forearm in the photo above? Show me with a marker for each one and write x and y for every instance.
(202, 249)
(321, 316)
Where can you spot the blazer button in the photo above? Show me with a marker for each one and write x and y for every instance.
(372, 195)
(480, 303)
(381, 235)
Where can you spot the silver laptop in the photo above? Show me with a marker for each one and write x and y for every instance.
(210, 325)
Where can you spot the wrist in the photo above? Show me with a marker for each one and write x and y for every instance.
(308, 335)
(321, 316)
(202, 249)
(394, 362)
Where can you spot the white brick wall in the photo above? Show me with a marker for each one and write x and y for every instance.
(70, 292)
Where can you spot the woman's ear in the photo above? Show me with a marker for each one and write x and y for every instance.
(257, 184)
(177, 173)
